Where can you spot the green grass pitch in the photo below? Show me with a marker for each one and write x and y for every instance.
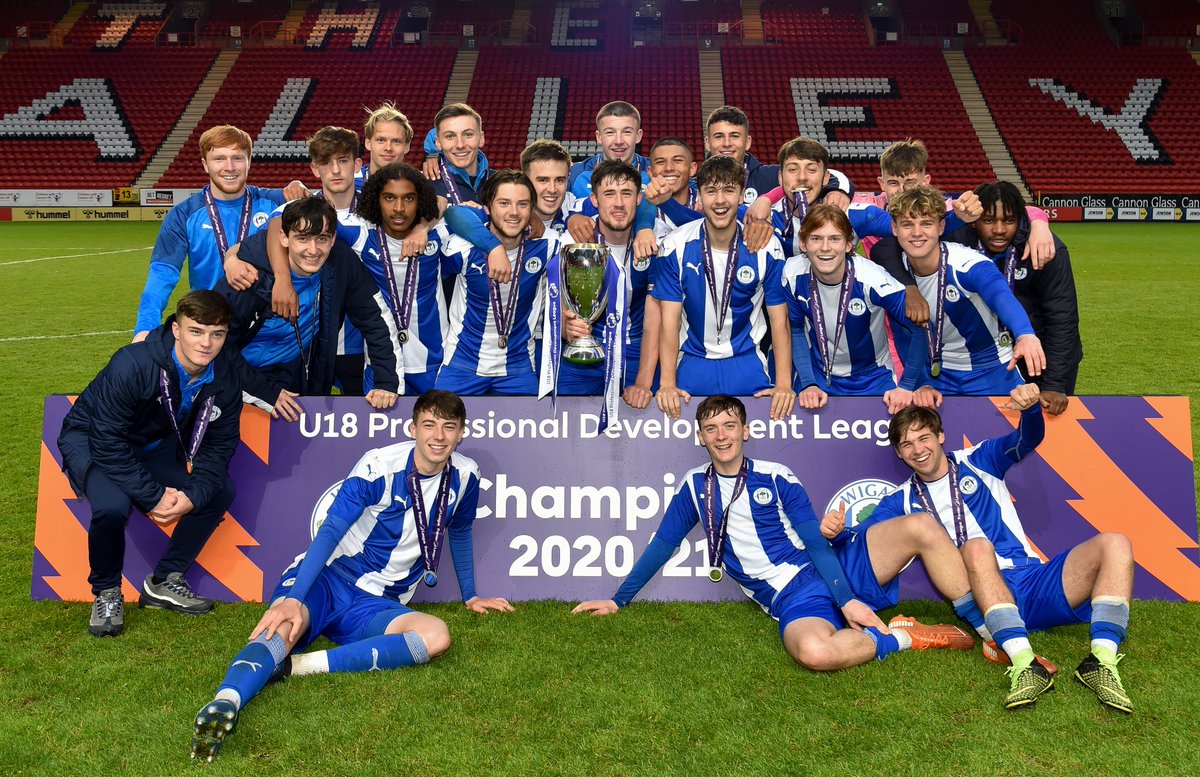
(657, 689)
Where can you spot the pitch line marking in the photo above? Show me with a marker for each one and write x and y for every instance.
(74, 256)
(62, 337)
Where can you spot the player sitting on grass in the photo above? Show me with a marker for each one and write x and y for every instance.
(761, 529)
(1016, 590)
(382, 536)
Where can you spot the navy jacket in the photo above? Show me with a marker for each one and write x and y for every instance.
(347, 291)
(121, 412)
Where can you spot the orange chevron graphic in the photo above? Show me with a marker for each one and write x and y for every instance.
(61, 538)
(256, 431)
(224, 560)
(1110, 498)
(1175, 425)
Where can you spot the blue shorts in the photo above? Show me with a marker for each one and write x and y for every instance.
(579, 379)
(856, 562)
(338, 610)
(874, 381)
(415, 383)
(468, 384)
(740, 376)
(996, 381)
(806, 596)
(1039, 594)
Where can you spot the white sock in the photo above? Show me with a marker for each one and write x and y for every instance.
(316, 662)
(903, 639)
(228, 694)
(1012, 646)
(984, 633)
(1106, 644)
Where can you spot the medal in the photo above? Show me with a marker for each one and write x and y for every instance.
(715, 525)
(430, 530)
(721, 304)
(210, 204)
(956, 503)
(933, 334)
(202, 419)
(1005, 338)
(935, 369)
(505, 315)
(845, 292)
(402, 299)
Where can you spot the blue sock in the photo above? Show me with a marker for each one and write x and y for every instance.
(388, 651)
(1008, 628)
(966, 608)
(885, 644)
(252, 667)
(1110, 618)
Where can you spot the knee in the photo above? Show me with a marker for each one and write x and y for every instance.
(815, 654)
(436, 639)
(978, 554)
(1116, 547)
(926, 529)
(224, 498)
(110, 512)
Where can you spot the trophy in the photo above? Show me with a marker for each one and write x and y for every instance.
(583, 278)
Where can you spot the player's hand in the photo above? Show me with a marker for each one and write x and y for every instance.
(481, 605)
(596, 607)
(897, 399)
(783, 401)
(1023, 397)
(1029, 348)
(645, 244)
(1039, 248)
(915, 306)
(657, 191)
(860, 617)
(239, 274)
(286, 407)
(834, 522)
(285, 617)
(669, 398)
(837, 198)
(927, 396)
(812, 398)
(166, 503)
(381, 399)
(574, 327)
(431, 169)
(181, 507)
(760, 209)
(535, 229)
(582, 228)
(499, 265)
(414, 244)
(756, 235)
(140, 336)
(968, 207)
(295, 190)
(637, 397)
(1054, 402)
(284, 302)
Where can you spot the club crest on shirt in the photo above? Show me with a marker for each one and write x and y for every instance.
(860, 497)
(952, 294)
(216, 413)
(533, 264)
(559, 228)
(745, 274)
(857, 307)
(763, 496)
(430, 248)
(968, 485)
(260, 219)
(641, 265)
(750, 195)
(321, 508)
(1021, 274)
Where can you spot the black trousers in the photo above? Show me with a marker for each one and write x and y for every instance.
(111, 508)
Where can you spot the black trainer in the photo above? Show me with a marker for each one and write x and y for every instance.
(173, 594)
(108, 613)
(215, 721)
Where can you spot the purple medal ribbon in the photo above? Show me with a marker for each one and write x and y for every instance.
(1010, 275)
(202, 418)
(938, 319)
(721, 304)
(210, 204)
(451, 186)
(504, 317)
(693, 202)
(714, 527)
(956, 502)
(794, 207)
(402, 304)
(845, 292)
(429, 537)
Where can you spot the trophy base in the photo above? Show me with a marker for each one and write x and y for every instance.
(585, 351)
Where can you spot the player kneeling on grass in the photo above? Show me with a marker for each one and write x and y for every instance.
(383, 535)
(1016, 590)
(755, 515)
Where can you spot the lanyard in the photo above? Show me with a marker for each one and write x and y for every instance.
(202, 418)
(716, 529)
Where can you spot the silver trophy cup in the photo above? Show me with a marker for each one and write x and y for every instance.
(583, 277)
